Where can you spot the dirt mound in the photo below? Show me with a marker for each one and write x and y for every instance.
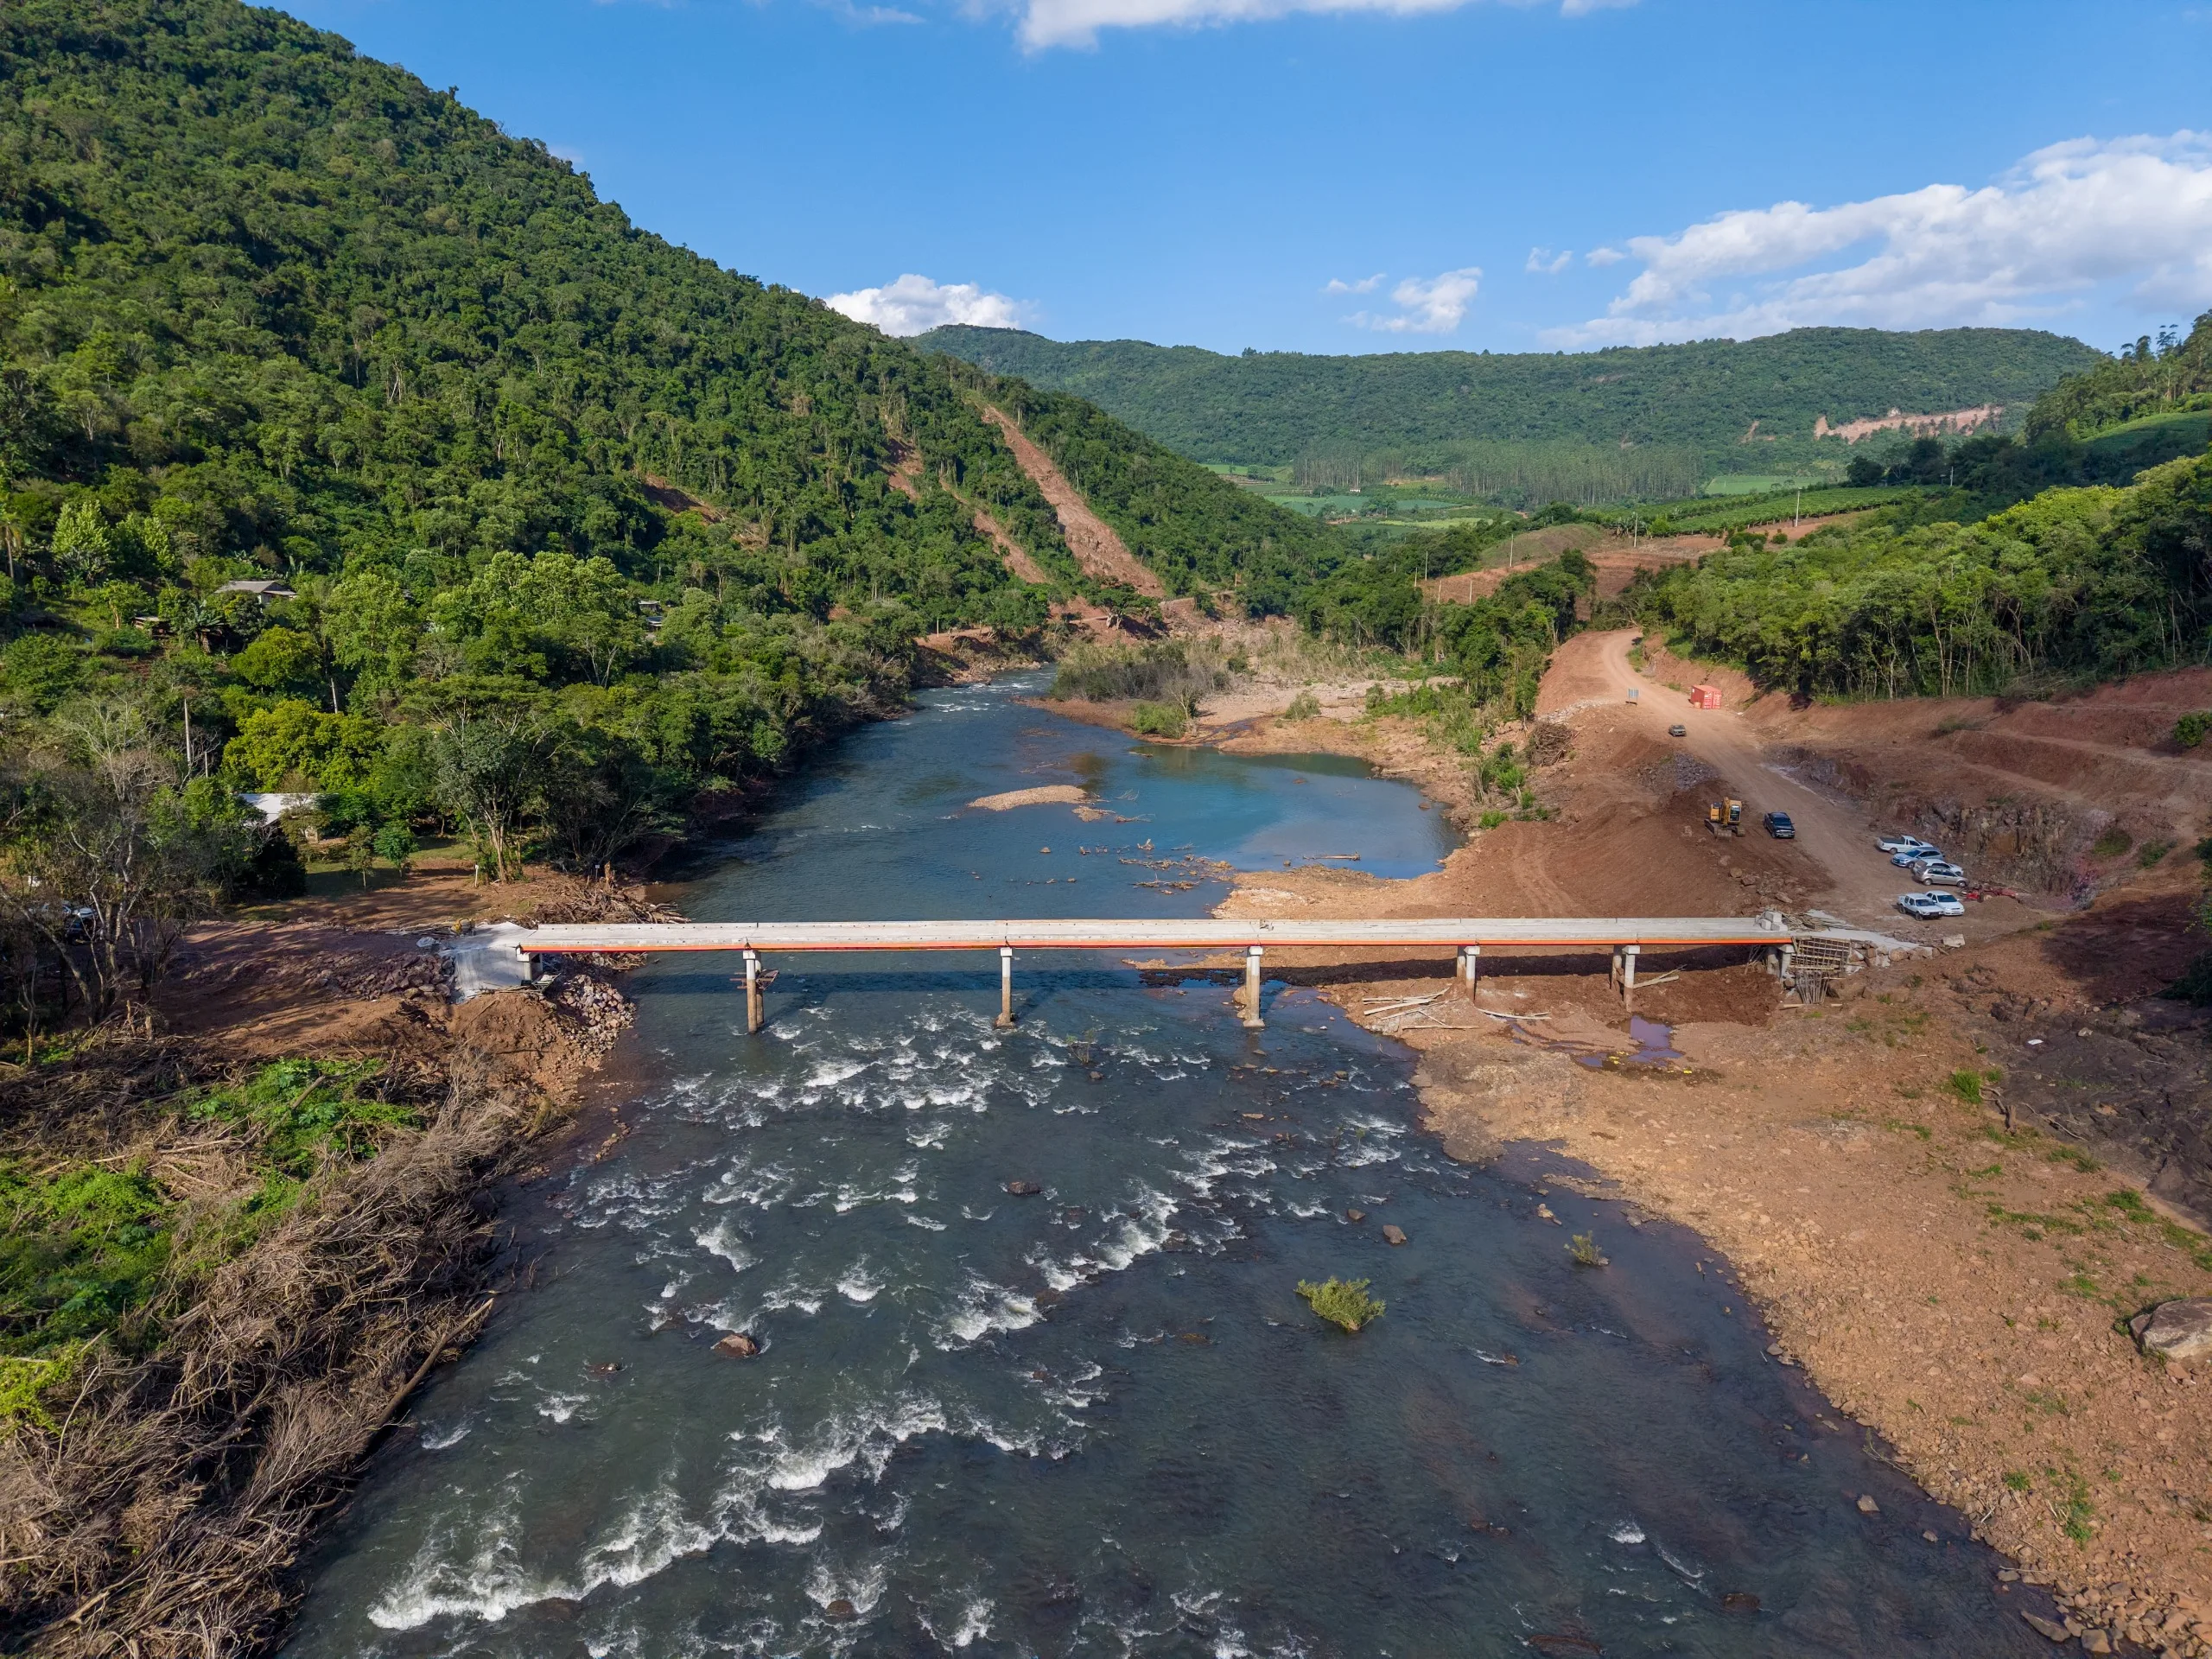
(1091, 539)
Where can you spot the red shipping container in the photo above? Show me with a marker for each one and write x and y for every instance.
(1705, 696)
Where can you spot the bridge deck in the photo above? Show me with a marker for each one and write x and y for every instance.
(1648, 933)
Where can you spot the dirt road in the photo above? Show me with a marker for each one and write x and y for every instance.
(1833, 836)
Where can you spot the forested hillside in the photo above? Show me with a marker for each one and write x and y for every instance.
(270, 310)
(1426, 408)
(2072, 586)
(2169, 378)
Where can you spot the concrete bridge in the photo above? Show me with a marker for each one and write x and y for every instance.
(1466, 937)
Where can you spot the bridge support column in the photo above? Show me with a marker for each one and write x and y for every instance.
(751, 993)
(1470, 967)
(1005, 1021)
(1628, 953)
(1252, 1020)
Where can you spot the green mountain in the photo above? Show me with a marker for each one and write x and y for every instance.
(272, 310)
(1744, 405)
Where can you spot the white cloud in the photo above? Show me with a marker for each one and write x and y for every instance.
(1604, 256)
(914, 304)
(1429, 306)
(1364, 285)
(1077, 22)
(1544, 262)
(2135, 212)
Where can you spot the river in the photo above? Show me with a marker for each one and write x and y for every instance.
(1098, 1419)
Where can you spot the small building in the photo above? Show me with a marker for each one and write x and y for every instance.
(1705, 696)
(261, 591)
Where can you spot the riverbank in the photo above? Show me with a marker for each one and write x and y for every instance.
(1958, 1287)
(304, 1134)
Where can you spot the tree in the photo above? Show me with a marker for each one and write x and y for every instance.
(584, 606)
(374, 628)
(106, 857)
(295, 742)
(279, 660)
(82, 547)
(491, 773)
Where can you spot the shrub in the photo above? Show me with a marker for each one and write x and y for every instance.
(2111, 844)
(1304, 706)
(2189, 730)
(1342, 1302)
(1158, 720)
(1585, 1251)
(1163, 670)
(2154, 852)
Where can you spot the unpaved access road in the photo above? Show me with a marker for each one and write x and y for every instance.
(1832, 835)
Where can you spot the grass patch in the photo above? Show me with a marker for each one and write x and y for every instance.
(1966, 1086)
(2153, 852)
(302, 1112)
(91, 1253)
(83, 1251)
(2114, 841)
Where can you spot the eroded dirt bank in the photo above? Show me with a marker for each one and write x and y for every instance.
(1946, 1188)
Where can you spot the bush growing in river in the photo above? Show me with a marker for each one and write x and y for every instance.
(1342, 1302)
(1158, 720)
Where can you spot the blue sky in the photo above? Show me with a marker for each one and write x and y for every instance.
(1346, 175)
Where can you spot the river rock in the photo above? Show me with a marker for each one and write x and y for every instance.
(1354, 1216)
(2180, 1330)
(2095, 1642)
(1867, 1505)
(2050, 1629)
(1394, 1233)
(738, 1345)
(841, 1610)
(1023, 1189)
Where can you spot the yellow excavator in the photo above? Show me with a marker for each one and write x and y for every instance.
(1725, 816)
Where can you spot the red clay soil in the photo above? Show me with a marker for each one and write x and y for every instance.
(1091, 539)
(1616, 557)
(345, 976)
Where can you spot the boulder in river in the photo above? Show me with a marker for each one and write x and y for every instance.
(2179, 1330)
(1867, 1505)
(1354, 1216)
(738, 1345)
(1397, 1235)
(841, 1610)
(1023, 1189)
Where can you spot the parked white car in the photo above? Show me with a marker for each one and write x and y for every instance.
(1937, 873)
(1928, 906)
(1905, 845)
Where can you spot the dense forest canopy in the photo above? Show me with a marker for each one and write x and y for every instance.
(272, 311)
(2071, 585)
(1433, 409)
